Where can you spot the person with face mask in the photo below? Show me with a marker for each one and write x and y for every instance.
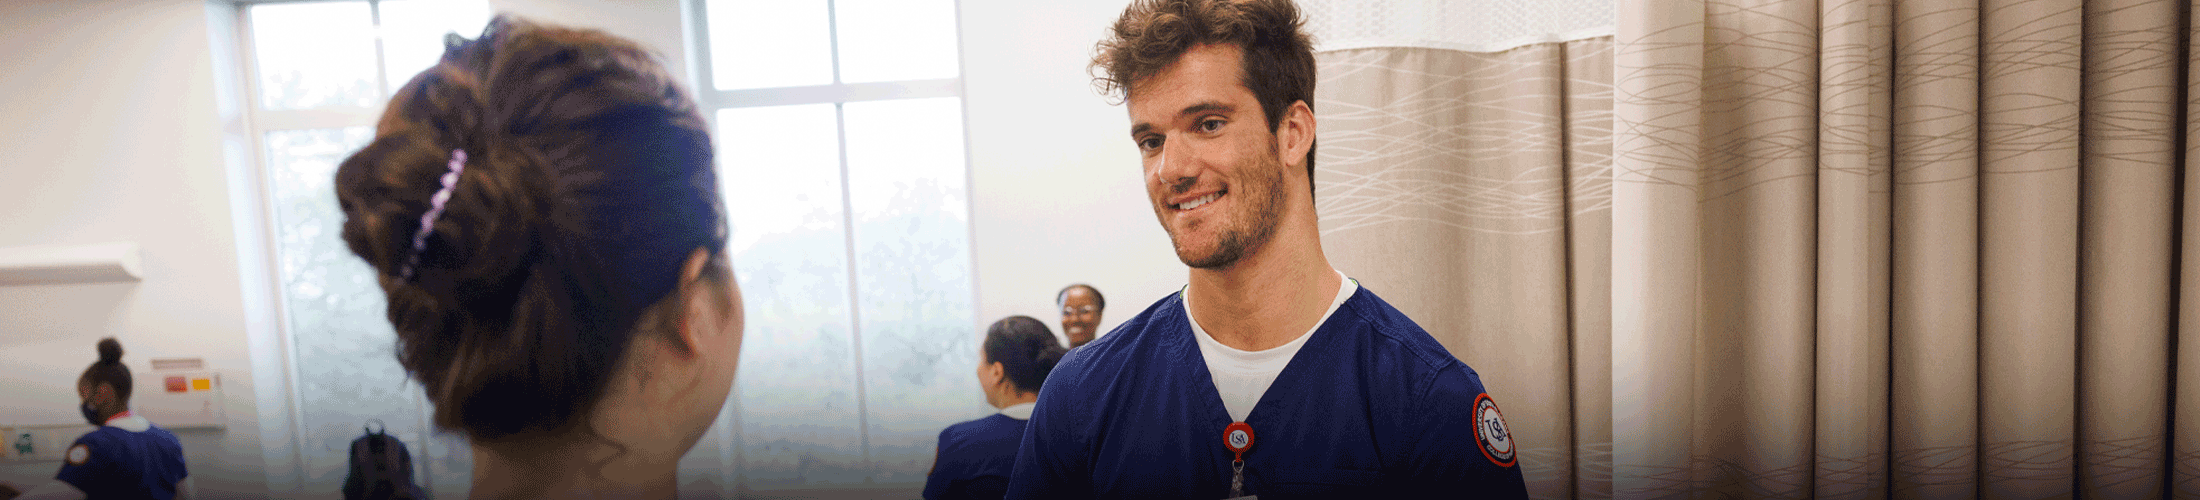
(126, 458)
(975, 456)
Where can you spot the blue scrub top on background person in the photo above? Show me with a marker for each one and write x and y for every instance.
(976, 456)
(128, 457)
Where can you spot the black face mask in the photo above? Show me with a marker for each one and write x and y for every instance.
(91, 414)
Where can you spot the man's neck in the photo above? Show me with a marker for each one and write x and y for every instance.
(1269, 297)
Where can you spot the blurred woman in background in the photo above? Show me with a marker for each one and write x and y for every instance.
(127, 457)
(975, 457)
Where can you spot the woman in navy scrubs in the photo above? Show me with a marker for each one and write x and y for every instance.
(975, 456)
(127, 457)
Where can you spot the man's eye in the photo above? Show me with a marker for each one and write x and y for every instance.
(1149, 144)
(1210, 125)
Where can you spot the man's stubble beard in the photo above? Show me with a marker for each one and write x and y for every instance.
(1248, 235)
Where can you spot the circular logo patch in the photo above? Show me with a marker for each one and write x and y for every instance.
(79, 453)
(1490, 432)
(1238, 437)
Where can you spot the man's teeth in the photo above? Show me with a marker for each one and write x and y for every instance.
(1196, 203)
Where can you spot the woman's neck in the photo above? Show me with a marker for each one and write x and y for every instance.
(596, 469)
(1007, 400)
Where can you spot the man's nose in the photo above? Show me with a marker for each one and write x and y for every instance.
(1179, 165)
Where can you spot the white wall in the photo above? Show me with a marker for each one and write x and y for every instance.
(111, 132)
(1057, 190)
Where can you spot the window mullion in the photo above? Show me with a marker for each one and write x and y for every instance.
(381, 52)
(832, 36)
(316, 118)
(841, 93)
(255, 122)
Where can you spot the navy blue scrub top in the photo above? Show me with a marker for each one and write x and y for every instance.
(974, 459)
(112, 462)
(1372, 405)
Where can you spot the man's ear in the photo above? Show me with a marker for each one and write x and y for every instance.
(694, 295)
(1295, 135)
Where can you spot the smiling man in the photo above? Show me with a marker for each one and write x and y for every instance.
(1270, 374)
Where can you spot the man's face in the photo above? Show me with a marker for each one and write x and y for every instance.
(1080, 316)
(1213, 170)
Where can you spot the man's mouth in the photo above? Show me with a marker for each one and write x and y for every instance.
(1197, 202)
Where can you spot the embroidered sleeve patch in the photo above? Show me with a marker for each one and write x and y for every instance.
(1490, 432)
(80, 453)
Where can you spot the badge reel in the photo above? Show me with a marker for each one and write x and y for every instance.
(1238, 437)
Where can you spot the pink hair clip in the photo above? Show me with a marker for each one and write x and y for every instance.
(435, 211)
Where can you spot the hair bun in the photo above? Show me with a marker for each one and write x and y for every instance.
(110, 351)
(1048, 357)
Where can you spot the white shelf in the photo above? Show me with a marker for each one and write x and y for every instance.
(68, 264)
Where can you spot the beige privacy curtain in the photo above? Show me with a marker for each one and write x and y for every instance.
(1915, 249)
(1472, 190)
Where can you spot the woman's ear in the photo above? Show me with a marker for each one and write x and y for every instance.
(994, 374)
(697, 319)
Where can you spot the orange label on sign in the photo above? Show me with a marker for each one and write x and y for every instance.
(202, 384)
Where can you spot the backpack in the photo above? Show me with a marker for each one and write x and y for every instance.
(381, 469)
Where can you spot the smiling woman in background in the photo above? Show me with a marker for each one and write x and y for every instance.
(1081, 308)
(975, 456)
(542, 210)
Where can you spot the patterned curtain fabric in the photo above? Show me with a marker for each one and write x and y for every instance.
(1472, 190)
(1915, 249)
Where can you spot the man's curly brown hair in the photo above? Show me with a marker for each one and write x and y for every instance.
(1278, 63)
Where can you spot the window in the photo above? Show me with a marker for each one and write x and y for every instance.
(841, 147)
(319, 73)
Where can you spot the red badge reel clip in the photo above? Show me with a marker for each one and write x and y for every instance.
(1238, 437)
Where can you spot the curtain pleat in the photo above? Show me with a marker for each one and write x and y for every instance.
(2184, 480)
(1464, 188)
(2126, 262)
(1933, 352)
(1854, 193)
(1657, 96)
(1754, 343)
(1589, 237)
(2028, 231)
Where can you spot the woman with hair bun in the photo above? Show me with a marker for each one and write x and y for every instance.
(975, 456)
(127, 457)
(542, 211)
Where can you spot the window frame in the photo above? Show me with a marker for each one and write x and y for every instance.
(839, 93)
(257, 122)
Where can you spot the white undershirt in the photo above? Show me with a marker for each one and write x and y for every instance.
(1019, 411)
(132, 423)
(1242, 376)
